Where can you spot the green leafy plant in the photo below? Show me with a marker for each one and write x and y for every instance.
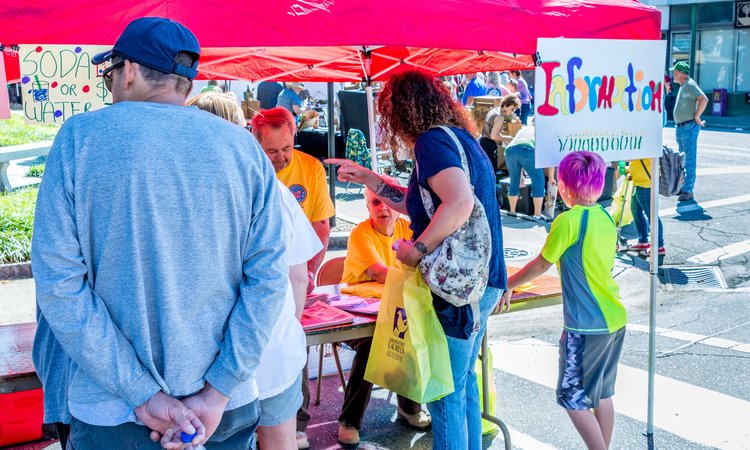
(17, 224)
(37, 170)
(14, 132)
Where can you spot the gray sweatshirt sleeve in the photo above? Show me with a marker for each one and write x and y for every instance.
(262, 291)
(76, 314)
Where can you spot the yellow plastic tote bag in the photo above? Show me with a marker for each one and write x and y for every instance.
(409, 353)
(620, 208)
(487, 426)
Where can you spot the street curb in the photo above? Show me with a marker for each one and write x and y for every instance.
(16, 271)
(714, 127)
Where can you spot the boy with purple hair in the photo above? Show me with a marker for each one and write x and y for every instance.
(582, 241)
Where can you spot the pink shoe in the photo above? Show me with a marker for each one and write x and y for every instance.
(640, 246)
(647, 252)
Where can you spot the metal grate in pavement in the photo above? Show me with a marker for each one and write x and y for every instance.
(518, 253)
(680, 278)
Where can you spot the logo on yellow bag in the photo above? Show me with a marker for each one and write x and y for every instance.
(400, 325)
(396, 344)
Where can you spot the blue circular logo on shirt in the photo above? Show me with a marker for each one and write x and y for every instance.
(299, 192)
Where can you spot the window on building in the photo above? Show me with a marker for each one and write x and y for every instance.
(680, 48)
(715, 12)
(715, 59)
(742, 83)
(680, 16)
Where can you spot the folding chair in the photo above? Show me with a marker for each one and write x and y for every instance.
(329, 273)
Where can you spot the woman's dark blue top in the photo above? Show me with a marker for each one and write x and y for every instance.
(434, 152)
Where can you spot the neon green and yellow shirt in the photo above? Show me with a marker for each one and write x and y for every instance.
(582, 241)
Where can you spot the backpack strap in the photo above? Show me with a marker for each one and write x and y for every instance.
(648, 174)
(426, 198)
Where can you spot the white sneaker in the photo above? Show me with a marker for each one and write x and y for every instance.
(302, 442)
(419, 421)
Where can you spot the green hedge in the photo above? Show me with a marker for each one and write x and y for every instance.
(17, 224)
(14, 132)
(17, 207)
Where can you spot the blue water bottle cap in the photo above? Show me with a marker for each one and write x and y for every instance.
(187, 438)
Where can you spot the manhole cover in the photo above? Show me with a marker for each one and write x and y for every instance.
(517, 253)
(692, 278)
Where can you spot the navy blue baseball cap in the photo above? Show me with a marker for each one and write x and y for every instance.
(154, 42)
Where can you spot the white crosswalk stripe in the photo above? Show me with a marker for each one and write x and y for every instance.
(719, 254)
(724, 170)
(527, 442)
(705, 205)
(694, 338)
(720, 421)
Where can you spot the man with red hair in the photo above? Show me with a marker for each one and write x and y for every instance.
(306, 179)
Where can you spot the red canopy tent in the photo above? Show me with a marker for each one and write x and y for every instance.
(332, 40)
(336, 40)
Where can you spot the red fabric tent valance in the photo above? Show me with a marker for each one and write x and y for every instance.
(497, 25)
(330, 40)
(348, 63)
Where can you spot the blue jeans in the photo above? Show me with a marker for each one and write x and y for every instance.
(687, 141)
(640, 206)
(525, 112)
(522, 156)
(457, 418)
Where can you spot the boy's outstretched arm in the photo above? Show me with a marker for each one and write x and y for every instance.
(529, 272)
(532, 270)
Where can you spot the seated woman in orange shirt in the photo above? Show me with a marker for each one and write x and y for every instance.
(368, 257)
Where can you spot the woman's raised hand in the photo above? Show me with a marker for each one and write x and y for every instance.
(351, 171)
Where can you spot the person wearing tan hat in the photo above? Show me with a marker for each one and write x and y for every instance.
(289, 98)
(690, 104)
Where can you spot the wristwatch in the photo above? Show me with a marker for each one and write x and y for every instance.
(421, 248)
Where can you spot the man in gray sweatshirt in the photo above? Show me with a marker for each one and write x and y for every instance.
(158, 257)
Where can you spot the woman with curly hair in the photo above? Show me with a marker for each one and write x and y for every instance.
(412, 105)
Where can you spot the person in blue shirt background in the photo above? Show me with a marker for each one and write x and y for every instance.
(289, 98)
(475, 88)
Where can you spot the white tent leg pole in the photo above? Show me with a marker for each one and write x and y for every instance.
(331, 146)
(371, 121)
(653, 271)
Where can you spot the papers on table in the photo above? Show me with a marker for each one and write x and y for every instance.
(358, 305)
(352, 303)
(322, 315)
(314, 297)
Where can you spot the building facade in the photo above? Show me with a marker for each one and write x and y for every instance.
(714, 38)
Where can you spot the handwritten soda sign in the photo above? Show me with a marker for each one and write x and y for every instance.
(59, 81)
(604, 96)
